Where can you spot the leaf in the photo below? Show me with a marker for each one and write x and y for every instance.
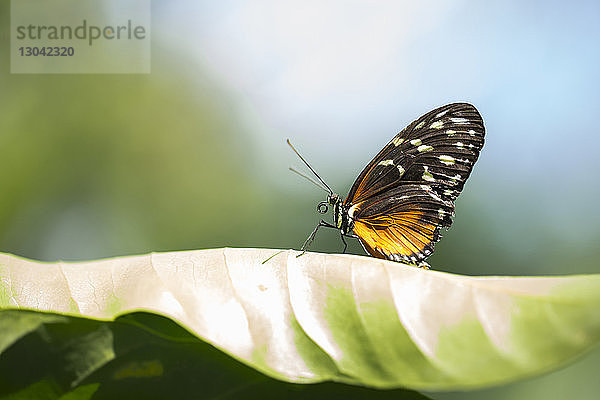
(153, 358)
(324, 317)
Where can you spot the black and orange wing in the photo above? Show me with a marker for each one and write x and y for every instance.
(406, 194)
(403, 225)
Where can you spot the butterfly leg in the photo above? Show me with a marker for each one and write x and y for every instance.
(343, 241)
(311, 237)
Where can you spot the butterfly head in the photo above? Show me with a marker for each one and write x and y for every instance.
(334, 200)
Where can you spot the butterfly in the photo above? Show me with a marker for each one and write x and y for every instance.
(405, 195)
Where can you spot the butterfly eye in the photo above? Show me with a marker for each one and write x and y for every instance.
(322, 207)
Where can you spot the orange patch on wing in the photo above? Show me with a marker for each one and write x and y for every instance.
(400, 233)
(361, 191)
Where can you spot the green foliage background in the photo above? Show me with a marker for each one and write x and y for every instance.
(102, 165)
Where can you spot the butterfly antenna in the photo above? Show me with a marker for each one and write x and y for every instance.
(309, 167)
(308, 178)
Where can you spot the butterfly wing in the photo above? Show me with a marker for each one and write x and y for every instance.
(403, 224)
(406, 193)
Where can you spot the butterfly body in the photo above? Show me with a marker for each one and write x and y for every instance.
(405, 195)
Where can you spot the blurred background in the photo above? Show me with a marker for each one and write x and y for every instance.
(193, 155)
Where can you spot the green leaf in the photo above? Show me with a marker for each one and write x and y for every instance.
(307, 319)
(153, 359)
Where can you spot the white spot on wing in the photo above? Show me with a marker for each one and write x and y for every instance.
(448, 160)
(386, 162)
(460, 145)
(397, 141)
(454, 180)
(435, 196)
(472, 132)
(424, 147)
(436, 125)
(416, 142)
(450, 132)
(439, 115)
(427, 176)
(420, 125)
(400, 169)
(352, 210)
(459, 120)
